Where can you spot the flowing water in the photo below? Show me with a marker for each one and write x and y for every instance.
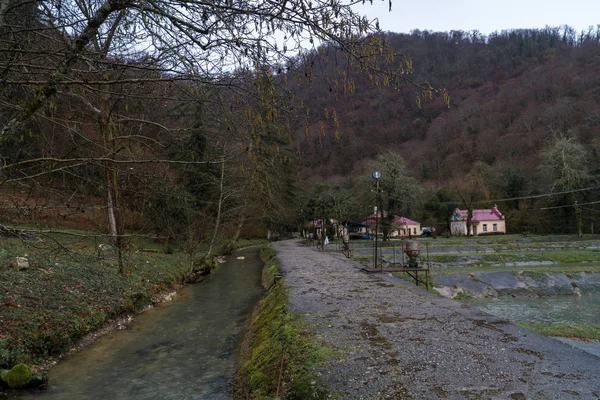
(181, 350)
(547, 310)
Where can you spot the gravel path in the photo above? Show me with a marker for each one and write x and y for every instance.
(399, 342)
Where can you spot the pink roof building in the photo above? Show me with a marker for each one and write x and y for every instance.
(401, 226)
(483, 221)
(405, 221)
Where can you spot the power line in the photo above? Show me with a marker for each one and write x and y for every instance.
(565, 206)
(535, 196)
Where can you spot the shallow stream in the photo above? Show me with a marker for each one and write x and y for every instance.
(181, 350)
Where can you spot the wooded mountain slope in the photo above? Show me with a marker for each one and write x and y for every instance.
(511, 94)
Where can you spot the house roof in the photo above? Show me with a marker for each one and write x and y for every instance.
(406, 221)
(397, 219)
(487, 214)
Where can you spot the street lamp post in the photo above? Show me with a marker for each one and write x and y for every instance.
(376, 175)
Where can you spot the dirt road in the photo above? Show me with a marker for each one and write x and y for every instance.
(399, 342)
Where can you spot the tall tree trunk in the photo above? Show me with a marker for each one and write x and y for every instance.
(219, 208)
(578, 215)
(470, 221)
(238, 228)
(112, 197)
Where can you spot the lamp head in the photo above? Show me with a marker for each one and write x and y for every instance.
(376, 174)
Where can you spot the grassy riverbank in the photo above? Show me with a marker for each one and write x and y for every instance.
(280, 352)
(68, 292)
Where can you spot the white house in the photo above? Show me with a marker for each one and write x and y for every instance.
(483, 222)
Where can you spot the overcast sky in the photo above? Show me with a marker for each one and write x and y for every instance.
(484, 15)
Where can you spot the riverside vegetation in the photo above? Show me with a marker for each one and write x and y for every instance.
(67, 292)
(280, 352)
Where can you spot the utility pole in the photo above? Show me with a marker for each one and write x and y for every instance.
(376, 175)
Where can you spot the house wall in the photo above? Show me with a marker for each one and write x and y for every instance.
(458, 228)
(403, 231)
(415, 230)
(501, 227)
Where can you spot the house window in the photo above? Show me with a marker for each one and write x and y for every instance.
(495, 227)
(415, 231)
(485, 227)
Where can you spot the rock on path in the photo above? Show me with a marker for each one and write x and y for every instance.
(399, 342)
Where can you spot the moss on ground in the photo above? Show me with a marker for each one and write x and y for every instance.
(277, 334)
(17, 377)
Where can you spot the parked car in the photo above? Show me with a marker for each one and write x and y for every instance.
(427, 231)
(359, 236)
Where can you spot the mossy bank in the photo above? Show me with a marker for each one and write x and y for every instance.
(67, 294)
(279, 353)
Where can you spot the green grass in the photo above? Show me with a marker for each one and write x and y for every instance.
(446, 258)
(277, 332)
(490, 239)
(567, 269)
(579, 331)
(558, 256)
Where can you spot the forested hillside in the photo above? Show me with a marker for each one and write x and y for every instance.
(521, 102)
(193, 138)
(511, 94)
(169, 120)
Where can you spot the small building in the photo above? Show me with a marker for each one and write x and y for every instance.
(400, 226)
(403, 226)
(483, 222)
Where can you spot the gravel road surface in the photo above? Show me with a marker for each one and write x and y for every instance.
(399, 342)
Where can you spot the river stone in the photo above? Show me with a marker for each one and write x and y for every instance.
(478, 289)
(561, 284)
(504, 282)
(452, 285)
(548, 283)
(451, 279)
(20, 263)
(587, 282)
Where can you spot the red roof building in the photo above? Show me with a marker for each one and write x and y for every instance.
(400, 227)
(483, 221)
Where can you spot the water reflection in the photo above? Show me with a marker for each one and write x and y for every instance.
(183, 350)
